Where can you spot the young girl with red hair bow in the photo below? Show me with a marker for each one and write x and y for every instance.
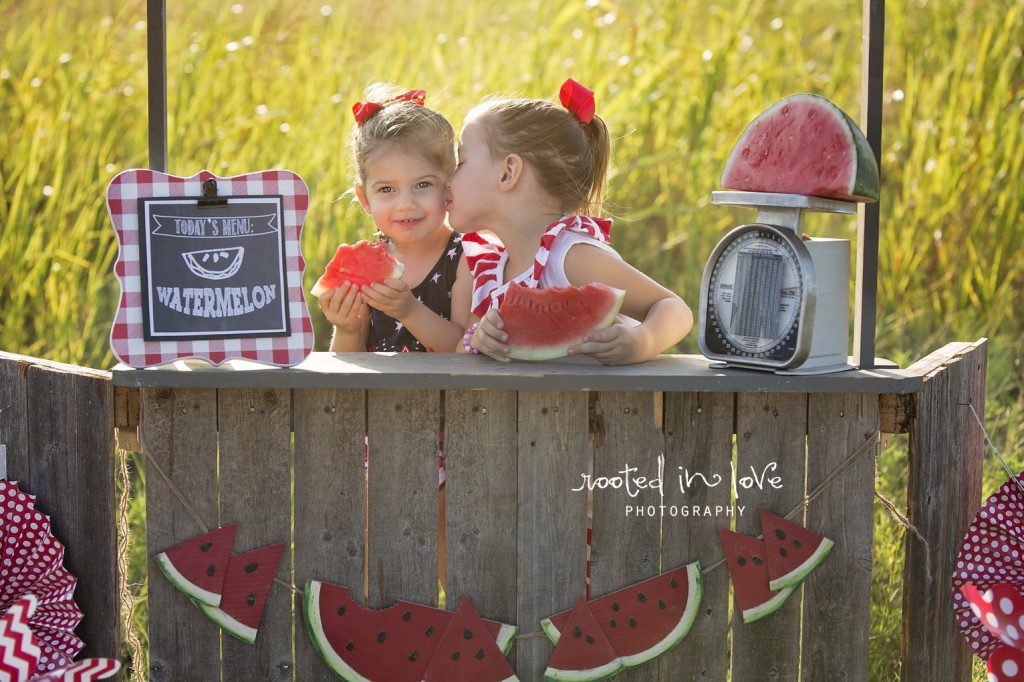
(533, 173)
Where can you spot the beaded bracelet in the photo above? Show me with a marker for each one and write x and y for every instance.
(469, 335)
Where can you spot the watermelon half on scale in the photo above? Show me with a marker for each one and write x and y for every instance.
(748, 568)
(542, 324)
(246, 586)
(197, 566)
(791, 550)
(395, 643)
(804, 144)
(646, 619)
(362, 264)
(584, 653)
(467, 651)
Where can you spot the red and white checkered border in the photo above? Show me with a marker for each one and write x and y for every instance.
(126, 335)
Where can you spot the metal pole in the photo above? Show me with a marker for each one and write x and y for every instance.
(156, 51)
(872, 40)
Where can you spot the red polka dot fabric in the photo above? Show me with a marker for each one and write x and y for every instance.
(992, 554)
(1006, 664)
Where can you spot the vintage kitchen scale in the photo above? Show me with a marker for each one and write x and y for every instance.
(772, 298)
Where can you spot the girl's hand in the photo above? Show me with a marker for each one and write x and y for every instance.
(615, 345)
(489, 338)
(393, 298)
(344, 307)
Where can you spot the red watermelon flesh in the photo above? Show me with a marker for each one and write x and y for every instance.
(584, 653)
(646, 619)
(362, 264)
(246, 587)
(543, 323)
(395, 643)
(197, 566)
(467, 652)
(792, 551)
(748, 568)
(804, 144)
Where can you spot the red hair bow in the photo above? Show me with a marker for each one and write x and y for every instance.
(577, 99)
(364, 110)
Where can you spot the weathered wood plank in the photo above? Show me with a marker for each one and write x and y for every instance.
(698, 433)
(770, 437)
(402, 496)
(255, 491)
(13, 424)
(179, 440)
(837, 597)
(625, 544)
(943, 494)
(895, 412)
(552, 519)
(330, 489)
(69, 422)
(481, 484)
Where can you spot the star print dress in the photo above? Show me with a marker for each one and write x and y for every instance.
(435, 291)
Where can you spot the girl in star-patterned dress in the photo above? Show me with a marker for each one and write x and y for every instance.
(403, 154)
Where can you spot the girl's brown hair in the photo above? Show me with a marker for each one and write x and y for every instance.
(571, 158)
(418, 129)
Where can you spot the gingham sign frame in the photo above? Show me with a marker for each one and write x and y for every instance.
(126, 333)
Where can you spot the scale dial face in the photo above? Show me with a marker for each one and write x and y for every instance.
(755, 293)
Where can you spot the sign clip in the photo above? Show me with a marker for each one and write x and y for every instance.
(210, 198)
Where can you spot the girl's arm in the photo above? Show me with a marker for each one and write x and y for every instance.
(665, 318)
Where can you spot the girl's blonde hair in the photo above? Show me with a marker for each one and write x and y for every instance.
(418, 129)
(571, 158)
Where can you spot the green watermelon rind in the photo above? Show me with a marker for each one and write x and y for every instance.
(194, 592)
(539, 353)
(598, 673)
(798, 574)
(506, 638)
(228, 624)
(315, 628)
(695, 583)
(771, 606)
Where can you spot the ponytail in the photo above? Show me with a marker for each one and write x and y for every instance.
(601, 146)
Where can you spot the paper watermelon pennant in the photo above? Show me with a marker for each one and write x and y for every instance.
(197, 566)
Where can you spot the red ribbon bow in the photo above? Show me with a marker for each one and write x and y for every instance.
(364, 110)
(577, 99)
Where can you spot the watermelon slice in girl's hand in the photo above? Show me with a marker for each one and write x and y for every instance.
(467, 652)
(393, 644)
(792, 551)
(745, 557)
(362, 264)
(584, 653)
(644, 620)
(247, 583)
(1000, 609)
(197, 566)
(542, 324)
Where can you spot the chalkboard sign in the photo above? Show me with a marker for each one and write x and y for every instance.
(213, 269)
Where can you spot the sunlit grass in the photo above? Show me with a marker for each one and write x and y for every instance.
(255, 85)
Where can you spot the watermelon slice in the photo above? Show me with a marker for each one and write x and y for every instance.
(792, 551)
(543, 323)
(247, 583)
(395, 643)
(467, 652)
(646, 619)
(585, 653)
(197, 566)
(362, 263)
(745, 557)
(804, 144)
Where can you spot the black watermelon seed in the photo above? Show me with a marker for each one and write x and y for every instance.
(430, 631)
(205, 547)
(782, 551)
(414, 655)
(757, 560)
(210, 570)
(590, 639)
(779, 534)
(382, 635)
(615, 607)
(406, 616)
(341, 610)
(674, 583)
(741, 560)
(576, 632)
(350, 646)
(613, 623)
(796, 543)
(249, 568)
(251, 600)
(455, 656)
(641, 597)
(661, 604)
(467, 633)
(479, 654)
(632, 623)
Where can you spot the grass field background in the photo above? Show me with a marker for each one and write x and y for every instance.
(256, 85)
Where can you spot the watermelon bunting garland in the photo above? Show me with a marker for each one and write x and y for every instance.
(467, 652)
(196, 566)
(585, 652)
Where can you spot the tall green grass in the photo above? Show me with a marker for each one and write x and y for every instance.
(269, 84)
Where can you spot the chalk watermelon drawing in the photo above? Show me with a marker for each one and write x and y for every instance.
(215, 263)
